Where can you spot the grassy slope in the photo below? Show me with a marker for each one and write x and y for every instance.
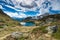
(6, 20)
(12, 25)
(57, 22)
(40, 30)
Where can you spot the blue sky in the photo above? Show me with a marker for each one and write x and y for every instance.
(14, 9)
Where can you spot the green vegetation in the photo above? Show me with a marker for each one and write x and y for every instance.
(22, 38)
(55, 21)
(41, 29)
(6, 20)
(1, 26)
(57, 34)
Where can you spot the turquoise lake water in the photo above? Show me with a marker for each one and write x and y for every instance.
(28, 24)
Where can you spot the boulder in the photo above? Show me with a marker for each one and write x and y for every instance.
(52, 29)
(17, 34)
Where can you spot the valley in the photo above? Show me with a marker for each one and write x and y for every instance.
(41, 30)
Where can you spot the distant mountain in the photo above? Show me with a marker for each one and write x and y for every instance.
(37, 17)
(6, 20)
(40, 16)
(56, 16)
(43, 17)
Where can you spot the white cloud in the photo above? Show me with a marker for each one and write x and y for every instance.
(55, 5)
(18, 0)
(1, 7)
(12, 7)
(27, 2)
(21, 15)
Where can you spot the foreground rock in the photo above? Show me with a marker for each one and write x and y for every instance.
(16, 34)
(52, 29)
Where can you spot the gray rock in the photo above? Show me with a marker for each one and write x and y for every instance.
(17, 34)
(42, 23)
(52, 29)
(49, 20)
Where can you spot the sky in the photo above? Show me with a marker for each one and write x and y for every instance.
(25, 8)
